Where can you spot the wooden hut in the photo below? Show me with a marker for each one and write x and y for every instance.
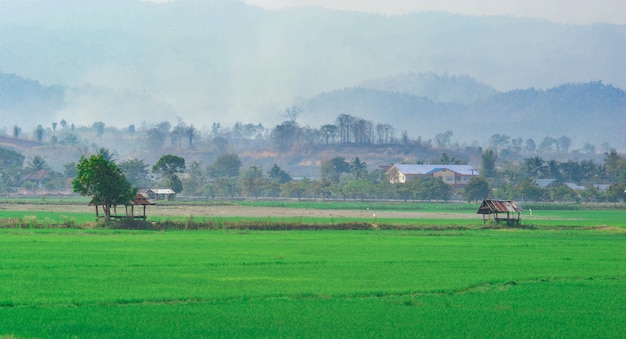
(498, 208)
(140, 200)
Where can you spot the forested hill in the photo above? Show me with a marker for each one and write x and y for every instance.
(28, 97)
(592, 112)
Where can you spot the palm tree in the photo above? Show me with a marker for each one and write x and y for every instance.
(36, 164)
(358, 168)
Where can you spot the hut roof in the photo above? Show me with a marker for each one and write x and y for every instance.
(490, 206)
(35, 176)
(141, 199)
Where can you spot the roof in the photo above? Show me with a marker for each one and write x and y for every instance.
(141, 199)
(543, 183)
(162, 191)
(490, 206)
(574, 186)
(35, 176)
(408, 169)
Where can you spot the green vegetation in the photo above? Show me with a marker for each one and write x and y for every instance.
(101, 179)
(488, 283)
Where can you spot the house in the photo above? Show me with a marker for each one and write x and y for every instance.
(495, 208)
(161, 194)
(457, 176)
(36, 177)
(543, 183)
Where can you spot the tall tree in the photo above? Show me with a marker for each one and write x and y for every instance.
(136, 171)
(329, 132)
(488, 169)
(39, 131)
(104, 182)
(169, 166)
(358, 168)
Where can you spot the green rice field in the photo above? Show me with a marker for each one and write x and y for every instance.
(547, 282)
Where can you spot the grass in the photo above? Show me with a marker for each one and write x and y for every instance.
(486, 283)
(541, 217)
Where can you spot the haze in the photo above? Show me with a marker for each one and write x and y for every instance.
(132, 62)
(564, 11)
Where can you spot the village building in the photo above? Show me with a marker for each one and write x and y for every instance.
(36, 178)
(457, 176)
(160, 194)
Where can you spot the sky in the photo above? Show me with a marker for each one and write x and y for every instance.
(562, 11)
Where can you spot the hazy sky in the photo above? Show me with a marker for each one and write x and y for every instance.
(564, 11)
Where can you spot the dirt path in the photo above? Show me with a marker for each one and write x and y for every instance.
(251, 211)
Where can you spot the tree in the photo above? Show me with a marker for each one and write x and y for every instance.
(191, 133)
(104, 182)
(279, 175)
(285, 135)
(499, 141)
(98, 126)
(564, 143)
(535, 167)
(489, 163)
(529, 191)
(546, 144)
(292, 113)
(252, 181)
(329, 132)
(358, 168)
(357, 188)
(615, 193)
(10, 158)
(156, 137)
(39, 131)
(136, 171)
(227, 165)
(106, 153)
(169, 166)
(69, 170)
(36, 164)
(477, 189)
(443, 139)
(530, 145)
(333, 168)
(295, 188)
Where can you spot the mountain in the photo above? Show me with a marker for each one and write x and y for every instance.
(224, 61)
(440, 88)
(26, 101)
(585, 112)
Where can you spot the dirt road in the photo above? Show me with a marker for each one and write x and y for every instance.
(251, 211)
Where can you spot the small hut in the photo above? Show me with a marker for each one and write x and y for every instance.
(498, 208)
(161, 194)
(140, 200)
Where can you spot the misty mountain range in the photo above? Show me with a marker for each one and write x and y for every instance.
(125, 62)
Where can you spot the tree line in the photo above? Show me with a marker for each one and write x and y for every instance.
(289, 135)
(339, 178)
